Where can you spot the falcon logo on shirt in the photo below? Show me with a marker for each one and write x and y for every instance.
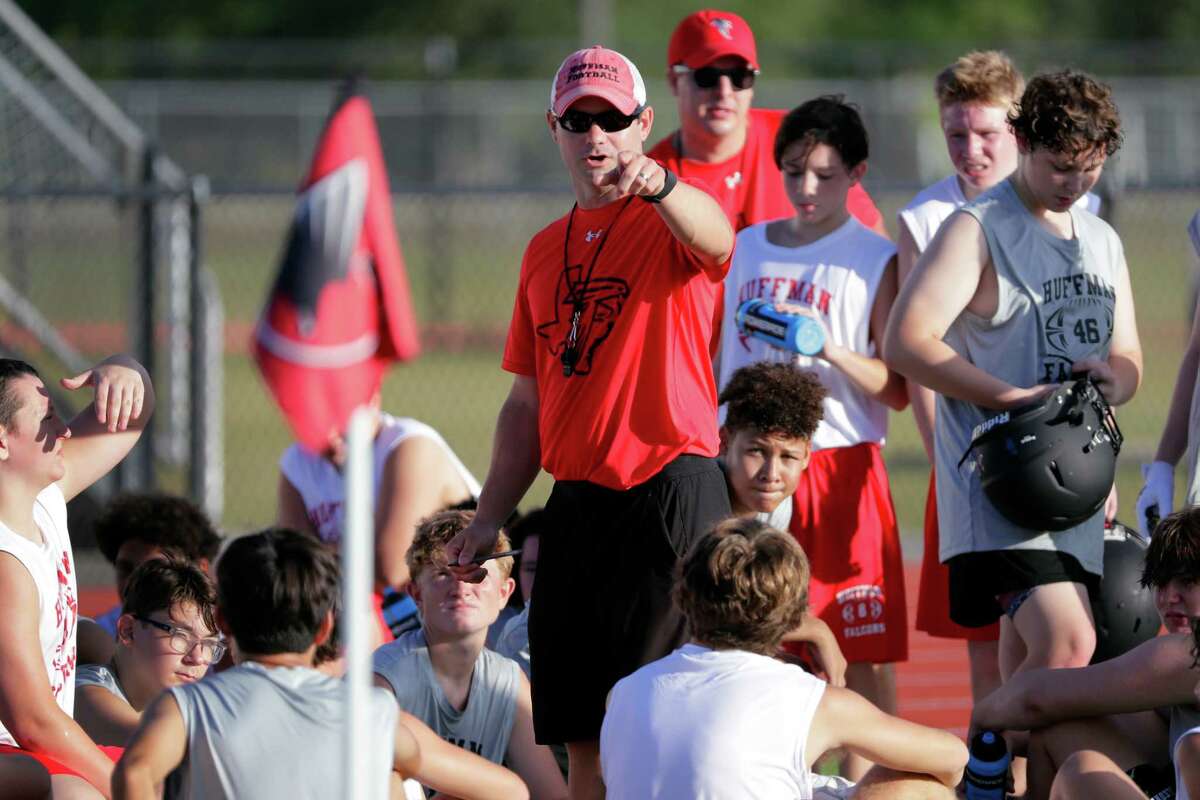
(599, 302)
(723, 27)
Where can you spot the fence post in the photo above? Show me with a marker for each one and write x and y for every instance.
(206, 474)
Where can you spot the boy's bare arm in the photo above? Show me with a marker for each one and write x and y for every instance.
(532, 761)
(1156, 673)
(457, 772)
(106, 718)
(158, 747)
(921, 400)
(104, 432)
(27, 706)
(846, 719)
(943, 284)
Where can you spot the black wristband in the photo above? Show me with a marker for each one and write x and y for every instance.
(669, 181)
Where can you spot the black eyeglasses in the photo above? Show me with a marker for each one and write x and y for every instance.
(610, 121)
(182, 641)
(708, 77)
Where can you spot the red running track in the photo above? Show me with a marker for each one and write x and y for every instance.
(933, 687)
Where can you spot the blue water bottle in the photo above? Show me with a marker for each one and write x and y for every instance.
(799, 333)
(987, 769)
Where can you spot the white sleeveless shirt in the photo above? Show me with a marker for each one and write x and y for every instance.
(322, 486)
(52, 567)
(926, 212)
(710, 724)
(836, 276)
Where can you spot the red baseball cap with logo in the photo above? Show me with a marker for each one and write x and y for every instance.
(707, 35)
(598, 72)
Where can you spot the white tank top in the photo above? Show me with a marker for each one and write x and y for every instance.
(926, 212)
(322, 486)
(52, 567)
(1181, 792)
(837, 276)
(1192, 458)
(710, 724)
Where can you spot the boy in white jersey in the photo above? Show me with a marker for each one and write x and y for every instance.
(824, 263)
(720, 718)
(43, 464)
(1017, 291)
(272, 726)
(444, 675)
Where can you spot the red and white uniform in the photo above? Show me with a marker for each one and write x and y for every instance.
(842, 511)
(749, 186)
(923, 216)
(52, 567)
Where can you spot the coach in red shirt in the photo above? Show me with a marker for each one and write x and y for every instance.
(614, 396)
(712, 65)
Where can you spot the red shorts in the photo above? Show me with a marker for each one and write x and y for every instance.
(842, 515)
(54, 767)
(933, 599)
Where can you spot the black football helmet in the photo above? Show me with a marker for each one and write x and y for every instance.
(1124, 611)
(1049, 465)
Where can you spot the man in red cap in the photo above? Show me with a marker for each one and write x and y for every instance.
(712, 64)
(614, 396)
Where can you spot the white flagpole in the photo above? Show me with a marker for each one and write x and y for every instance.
(357, 566)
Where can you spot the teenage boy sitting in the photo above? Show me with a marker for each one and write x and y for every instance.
(222, 737)
(166, 636)
(1132, 708)
(720, 718)
(443, 674)
(135, 528)
(771, 413)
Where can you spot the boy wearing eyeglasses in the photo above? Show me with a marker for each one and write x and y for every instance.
(166, 636)
(824, 263)
(712, 65)
(614, 397)
(272, 726)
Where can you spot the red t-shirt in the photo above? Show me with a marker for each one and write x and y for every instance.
(642, 390)
(749, 186)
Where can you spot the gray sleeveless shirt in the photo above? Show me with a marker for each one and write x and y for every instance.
(484, 726)
(1056, 305)
(255, 731)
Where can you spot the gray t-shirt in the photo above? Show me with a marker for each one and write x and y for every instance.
(513, 641)
(99, 675)
(484, 725)
(1056, 305)
(274, 732)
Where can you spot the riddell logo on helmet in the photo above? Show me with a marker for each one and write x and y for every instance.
(988, 424)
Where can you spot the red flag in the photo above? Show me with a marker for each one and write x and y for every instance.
(339, 311)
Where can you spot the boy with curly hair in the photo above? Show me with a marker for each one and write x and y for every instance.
(823, 263)
(1019, 290)
(719, 717)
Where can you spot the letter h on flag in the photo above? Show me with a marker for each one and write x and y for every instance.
(339, 310)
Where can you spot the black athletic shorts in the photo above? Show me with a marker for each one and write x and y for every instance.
(977, 579)
(601, 605)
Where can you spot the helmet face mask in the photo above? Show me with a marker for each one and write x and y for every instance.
(1049, 466)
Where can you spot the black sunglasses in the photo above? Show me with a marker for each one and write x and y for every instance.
(708, 77)
(610, 121)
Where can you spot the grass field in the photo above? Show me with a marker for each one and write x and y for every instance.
(463, 254)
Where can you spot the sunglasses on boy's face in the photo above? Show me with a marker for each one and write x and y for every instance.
(610, 121)
(708, 77)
